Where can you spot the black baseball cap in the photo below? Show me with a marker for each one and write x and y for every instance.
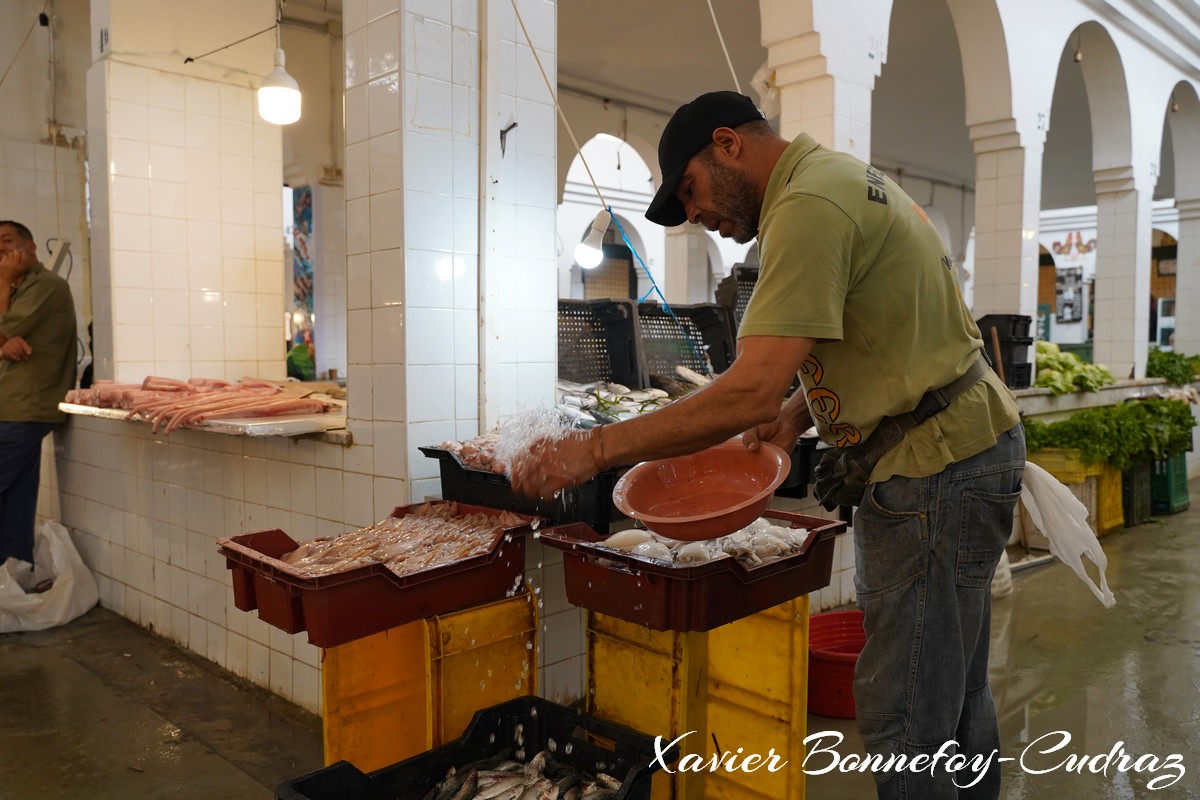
(689, 130)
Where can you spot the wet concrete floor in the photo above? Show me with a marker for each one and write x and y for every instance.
(101, 708)
(1063, 665)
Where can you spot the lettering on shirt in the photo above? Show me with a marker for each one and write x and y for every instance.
(876, 191)
(826, 406)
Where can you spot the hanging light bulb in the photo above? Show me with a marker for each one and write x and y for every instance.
(279, 95)
(590, 252)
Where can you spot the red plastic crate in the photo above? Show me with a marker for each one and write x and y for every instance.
(345, 606)
(698, 598)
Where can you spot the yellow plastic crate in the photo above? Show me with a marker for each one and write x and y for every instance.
(745, 682)
(1110, 505)
(1066, 465)
(403, 691)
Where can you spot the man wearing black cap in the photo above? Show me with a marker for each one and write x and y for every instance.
(857, 295)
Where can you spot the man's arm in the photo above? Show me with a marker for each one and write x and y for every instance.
(747, 395)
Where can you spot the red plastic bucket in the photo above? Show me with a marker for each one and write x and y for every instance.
(835, 638)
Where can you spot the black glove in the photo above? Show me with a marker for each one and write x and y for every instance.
(840, 477)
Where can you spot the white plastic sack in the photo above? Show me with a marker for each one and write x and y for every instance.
(1062, 519)
(74, 591)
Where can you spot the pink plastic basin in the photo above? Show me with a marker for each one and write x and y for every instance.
(703, 495)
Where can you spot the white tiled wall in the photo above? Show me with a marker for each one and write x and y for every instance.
(188, 252)
(146, 513)
(51, 207)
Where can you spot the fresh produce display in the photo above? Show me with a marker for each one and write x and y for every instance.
(1063, 373)
(1120, 435)
(1178, 369)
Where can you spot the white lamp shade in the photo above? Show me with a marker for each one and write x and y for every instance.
(279, 95)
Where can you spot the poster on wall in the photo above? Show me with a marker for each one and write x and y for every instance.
(1069, 295)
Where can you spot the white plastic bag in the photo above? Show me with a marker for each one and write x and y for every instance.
(73, 593)
(1062, 519)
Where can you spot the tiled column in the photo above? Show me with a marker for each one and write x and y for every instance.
(1187, 278)
(826, 61)
(1007, 203)
(687, 267)
(1122, 289)
(187, 251)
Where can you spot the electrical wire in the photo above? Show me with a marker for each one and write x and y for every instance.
(737, 84)
(18, 53)
(554, 98)
(579, 150)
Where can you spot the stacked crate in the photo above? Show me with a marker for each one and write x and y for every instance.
(1009, 333)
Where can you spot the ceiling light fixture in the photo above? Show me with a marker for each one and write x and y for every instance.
(1078, 53)
(279, 94)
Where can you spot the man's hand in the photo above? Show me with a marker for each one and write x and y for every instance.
(16, 349)
(780, 431)
(552, 465)
(12, 266)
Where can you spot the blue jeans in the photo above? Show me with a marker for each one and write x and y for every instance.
(926, 549)
(20, 470)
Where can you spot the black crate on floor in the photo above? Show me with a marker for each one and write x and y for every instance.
(687, 335)
(527, 724)
(598, 341)
(1135, 493)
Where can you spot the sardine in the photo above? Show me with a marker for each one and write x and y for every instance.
(692, 376)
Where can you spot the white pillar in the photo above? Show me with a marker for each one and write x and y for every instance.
(686, 256)
(1007, 204)
(1122, 289)
(1187, 278)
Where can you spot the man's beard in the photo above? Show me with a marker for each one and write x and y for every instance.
(735, 198)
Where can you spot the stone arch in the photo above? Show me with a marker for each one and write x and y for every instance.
(1104, 79)
(987, 76)
(1183, 117)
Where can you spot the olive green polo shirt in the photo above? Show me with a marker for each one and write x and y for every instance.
(42, 313)
(848, 259)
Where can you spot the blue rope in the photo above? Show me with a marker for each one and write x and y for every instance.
(655, 290)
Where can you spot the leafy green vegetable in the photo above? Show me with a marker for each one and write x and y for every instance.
(1063, 373)
(1178, 369)
(1121, 435)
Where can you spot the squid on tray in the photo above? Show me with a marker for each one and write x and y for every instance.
(759, 542)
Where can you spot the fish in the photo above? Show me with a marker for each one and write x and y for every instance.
(691, 376)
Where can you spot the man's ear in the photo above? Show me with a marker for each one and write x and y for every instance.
(727, 142)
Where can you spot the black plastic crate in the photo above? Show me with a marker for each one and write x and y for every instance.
(598, 341)
(1018, 376)
(528, 724)
(1012, 351)
(1135, 494)
(687, 335)
(733, 292)
(590, 503)
(1008, 326)
(804, 458)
